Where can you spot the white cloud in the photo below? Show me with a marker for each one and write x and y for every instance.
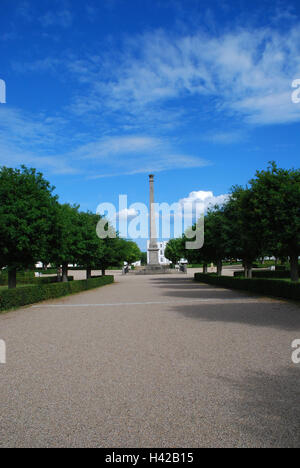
(205, 199)
(246, 72)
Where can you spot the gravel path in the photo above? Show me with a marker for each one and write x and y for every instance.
(151, 362)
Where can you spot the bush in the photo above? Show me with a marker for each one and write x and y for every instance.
(277, 288)
(12, 298)
(265, 274)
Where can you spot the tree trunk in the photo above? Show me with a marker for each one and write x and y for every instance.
(88, 273)
(12, 278)
(65, 273)
(294, 267)
(219, 267)
(248, 270)
(245, 265)
(103, 271)
(58, 274)
(205, 268)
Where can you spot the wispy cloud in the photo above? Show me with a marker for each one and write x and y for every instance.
(226, 137)
(63, 18)
(247, 72)
(135, 154)
(28, 140)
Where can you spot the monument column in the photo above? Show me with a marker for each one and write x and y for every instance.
(153, 249)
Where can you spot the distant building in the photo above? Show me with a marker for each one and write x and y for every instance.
(161, 254)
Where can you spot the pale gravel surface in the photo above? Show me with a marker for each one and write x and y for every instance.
(168, 371)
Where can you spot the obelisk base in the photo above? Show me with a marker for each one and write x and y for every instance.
(155, 270)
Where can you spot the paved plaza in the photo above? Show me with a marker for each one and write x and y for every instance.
(151, 362)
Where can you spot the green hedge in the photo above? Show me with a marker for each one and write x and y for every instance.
(265, 274)
(276, 287)
(12, 298)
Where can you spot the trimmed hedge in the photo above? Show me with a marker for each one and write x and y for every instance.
(265, 274)
(12, 298)
(277, 288)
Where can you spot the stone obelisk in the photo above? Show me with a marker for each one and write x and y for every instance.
(153, 248)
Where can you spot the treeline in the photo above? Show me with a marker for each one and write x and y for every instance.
(35, 227)
(259, 220)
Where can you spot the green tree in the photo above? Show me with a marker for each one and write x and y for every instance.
(69, 238)
(244, 236)
(174, 250)
(131, 252)
(216, 247)
(144, 258)
(90, 247)
(27, 217)
(276, 197)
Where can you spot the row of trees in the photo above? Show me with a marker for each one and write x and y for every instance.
(262, 219)
(34, 227)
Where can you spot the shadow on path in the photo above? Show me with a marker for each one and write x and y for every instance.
(268, 407)
(262, 312)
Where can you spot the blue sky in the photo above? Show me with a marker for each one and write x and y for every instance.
(101, 93)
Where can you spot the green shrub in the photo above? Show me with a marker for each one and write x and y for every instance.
(275, 287)
(265, 274)
(12, 298)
